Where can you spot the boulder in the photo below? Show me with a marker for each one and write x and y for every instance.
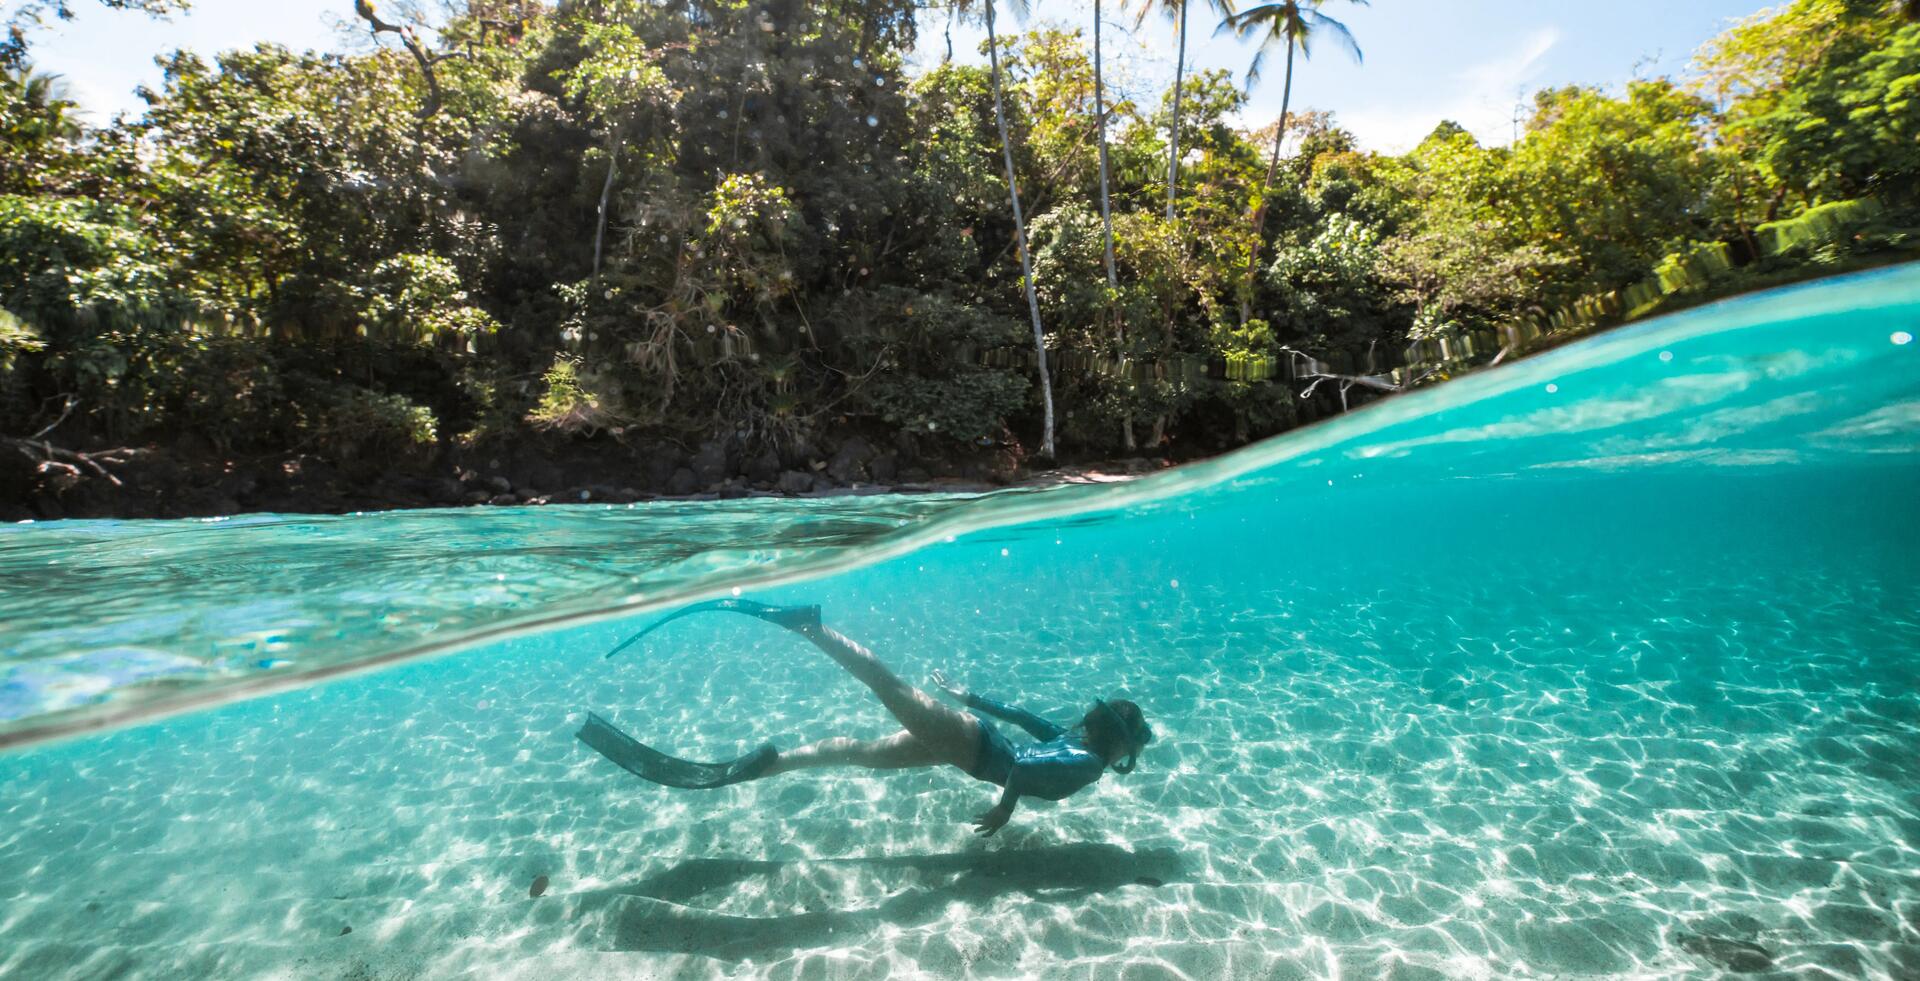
(796, 482)
(503, 500)
(662, 465)
(765, 468)
(884, 468)
(710, 464)
(849, 462)
(445, 490)
(499, 484)
(682, 483)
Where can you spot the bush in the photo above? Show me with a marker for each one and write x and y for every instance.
(348, 422)
(575, 402)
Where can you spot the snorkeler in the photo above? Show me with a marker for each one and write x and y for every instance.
(1061, 763)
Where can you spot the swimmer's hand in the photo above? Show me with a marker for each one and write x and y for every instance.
(987, 822)
(958, 693)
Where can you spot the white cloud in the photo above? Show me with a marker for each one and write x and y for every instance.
(1482, 97)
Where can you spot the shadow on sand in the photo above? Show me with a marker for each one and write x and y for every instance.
(651, 914)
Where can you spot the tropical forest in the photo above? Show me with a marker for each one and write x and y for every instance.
(511, 251)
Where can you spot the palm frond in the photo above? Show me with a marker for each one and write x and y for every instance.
(1320, 22)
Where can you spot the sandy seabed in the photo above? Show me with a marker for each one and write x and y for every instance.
(1593, 770)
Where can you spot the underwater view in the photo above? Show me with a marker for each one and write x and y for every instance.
(1604, 663)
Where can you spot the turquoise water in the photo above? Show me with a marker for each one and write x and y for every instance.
(1602, 664)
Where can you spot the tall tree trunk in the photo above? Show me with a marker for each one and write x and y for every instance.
(1020, 241)
(1100, 118)
(1260, 213)
(1106, 209)
(1173, 139)
(606, 191)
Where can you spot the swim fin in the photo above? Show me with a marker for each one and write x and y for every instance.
(648, 763)
(790, 617)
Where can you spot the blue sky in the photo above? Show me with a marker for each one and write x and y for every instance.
(1472, 61)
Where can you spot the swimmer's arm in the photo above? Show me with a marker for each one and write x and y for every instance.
(1036, 726)
(987, 822)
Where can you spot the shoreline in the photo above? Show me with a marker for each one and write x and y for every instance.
(164, 483)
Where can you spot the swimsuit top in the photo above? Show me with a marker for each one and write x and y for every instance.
(1054, 768)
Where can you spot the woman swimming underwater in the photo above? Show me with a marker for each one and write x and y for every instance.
(1062, 762)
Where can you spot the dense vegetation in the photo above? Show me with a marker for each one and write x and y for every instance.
(744, 224)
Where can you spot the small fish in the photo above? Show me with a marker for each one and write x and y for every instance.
(345, 930)
(1147, 880)
(539, 887)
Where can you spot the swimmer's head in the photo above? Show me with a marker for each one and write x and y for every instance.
(1116, 728)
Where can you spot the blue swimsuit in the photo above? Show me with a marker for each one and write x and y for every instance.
(1053, 769)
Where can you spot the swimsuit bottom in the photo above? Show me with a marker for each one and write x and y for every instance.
(994, 762)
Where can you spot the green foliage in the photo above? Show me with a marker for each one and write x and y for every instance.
(749, 220)
(350, 422)
(571, 403)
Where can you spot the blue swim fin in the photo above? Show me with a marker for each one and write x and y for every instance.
(790, 617)
(648, 763)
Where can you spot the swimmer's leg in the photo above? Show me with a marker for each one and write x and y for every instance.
(950, 735)
(900, 751)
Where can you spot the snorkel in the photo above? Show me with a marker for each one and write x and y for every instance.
(1139, 734)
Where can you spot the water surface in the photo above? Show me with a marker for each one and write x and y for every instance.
(1603, 664)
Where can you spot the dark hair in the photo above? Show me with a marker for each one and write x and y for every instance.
(1116, 726)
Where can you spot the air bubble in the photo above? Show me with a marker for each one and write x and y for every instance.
(1666, 355)
(1901, 337)
(1552, 388)
(873, 120)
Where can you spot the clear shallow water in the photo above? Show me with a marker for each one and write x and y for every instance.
(1621, 679)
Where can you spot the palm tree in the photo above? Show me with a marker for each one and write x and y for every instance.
(1019, 227)
(1177, 10)
(1293, 23)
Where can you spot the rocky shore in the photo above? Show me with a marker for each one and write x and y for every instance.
(188, 480)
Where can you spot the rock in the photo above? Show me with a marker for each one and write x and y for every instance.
(710, 464)
(661, 467)
(1738, 956)
(477, 497)
(849, 463)
(538, 888)
(796, 482)
(884, 468)
(445, 490)
(731, 490)
(503, 500)
(915, 475)
(798, 453)
(625, 495)
(499, 484)
(545, 475)
(765, 468)
(683, 483)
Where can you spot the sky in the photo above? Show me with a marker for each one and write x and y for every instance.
(1471, 61)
